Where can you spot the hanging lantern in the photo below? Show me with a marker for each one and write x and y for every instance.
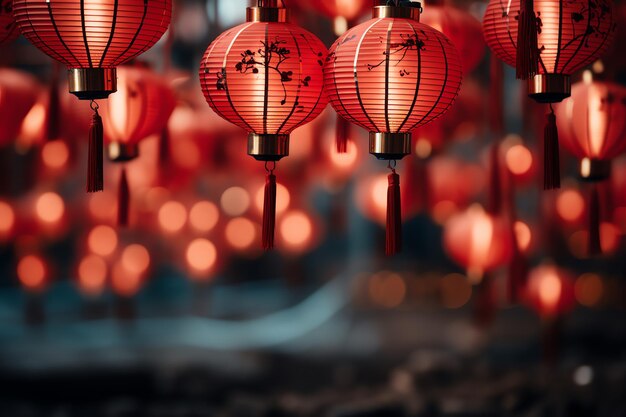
(478, 241)
(550, 291)
(18, 93)
(8, 30)
(390, 75)
(593, 126)
(266, 77)
(140, 108)
(547, 41)
(92, 38)
(463, 29)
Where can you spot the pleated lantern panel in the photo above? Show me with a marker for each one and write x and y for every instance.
(391, 75)
(571, 33)
(92, 33)
(266, 78)
(8, 28)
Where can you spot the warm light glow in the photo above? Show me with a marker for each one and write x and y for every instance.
(201, 255)
(7, 218)
(570, 205)
(423, 148)
(33, 124)
(378, 193)
(609, 237)
(240, 233)
(55, 154)
(587, 77)
(50, 207)
(443, 210)
(102, 206)
(31, 271)
(235, 201)
(283, 198)
(296, 228)
(92, 273)
(203, 216)
(340, 25)
(344, 160)
(136, 259)
(518, 159)
(589, 289)
(598, 66)
(456, 291)
(186, 153)
(550, 288)
(387, 289)
(172, 216)
(480, 245)
(102, 240)
(124, 282)
(523, 235)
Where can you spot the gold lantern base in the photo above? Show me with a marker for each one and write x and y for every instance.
(92, 83)
(123, 152)
(267, 11)
(266, 147)
(549, 88)
(390, 146)
(594, 169)
(402, 11)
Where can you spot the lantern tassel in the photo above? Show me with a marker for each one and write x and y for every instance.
(394, 214)
(527, 50)
(342, 134)
(595, 247)
(95, 175)
(551, 163)
(269, 208)
(123, 200)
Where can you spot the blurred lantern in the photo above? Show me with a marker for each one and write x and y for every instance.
(550, 291)
(7, 221)
(390, 75)
(8, 29)
(18, 93)
(343, 12)
(547, 40)
(518, 159)
(33, 273)
(266, 77)
(478, 241)
(91, 39)
(593, 126)
(140, 108)
(463, 29)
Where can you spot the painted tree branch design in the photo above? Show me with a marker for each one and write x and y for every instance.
(412, 42)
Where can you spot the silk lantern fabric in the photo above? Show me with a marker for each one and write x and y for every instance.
(265, 77)
(8, 29)
(92, 33)
(18, 93)
(571, 33)
(141, 106)
(392, 74)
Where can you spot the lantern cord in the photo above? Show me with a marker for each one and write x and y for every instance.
(269, 206)
(95, 175)
(595, 248)
(342, 134)
(551, 161)
(394, 213)
(527, 60)
(123, 200)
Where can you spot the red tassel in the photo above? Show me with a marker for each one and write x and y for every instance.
(595, 248)
(342, 134)
(53, 130)
(123, 200)
(495, 185)
(269, 210)
(95, 175)
(394, 215)
(527, 49)
(551, 162)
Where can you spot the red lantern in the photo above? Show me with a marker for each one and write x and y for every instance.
(8, 30)
(92, 38)
(18, 93)
(554, 39)
(140, 108)
(266, 77)
(593, 125)
(478, 241)
(550, 291)
(390, 75)
(348, 9)
(463, 29)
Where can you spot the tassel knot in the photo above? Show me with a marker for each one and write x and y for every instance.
(394, 214)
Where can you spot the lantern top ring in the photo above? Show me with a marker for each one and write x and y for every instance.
(404, 10)
(267, 14)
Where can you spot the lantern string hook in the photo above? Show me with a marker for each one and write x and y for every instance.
(94, 106)
(270, 168)
(392, 165)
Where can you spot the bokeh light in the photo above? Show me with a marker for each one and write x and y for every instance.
(102, 240)
(7, 218)
(172, 216)
(201, 255)
(456, 291)
(570, 205)
(240, 233)
(296, 229)
(123, 282)
(136, 259)
(50, 207)
(31, 271)
(519, 159)
(92, 274)
(387, 289)
(55, 154)
(589, 289)
(235, 201)
(204, 216)
(523, 234)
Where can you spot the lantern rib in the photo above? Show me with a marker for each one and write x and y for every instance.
(266, 91)
(108, 45)
(296, 101)
(132, 41)
(387, 61)
(84, 30)
(356, 77)
(604, 41)
(321, 94)
(417, 84)
(204, 83)
(582, 36)
(56, 30)
(558, 51)
(55, 54)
